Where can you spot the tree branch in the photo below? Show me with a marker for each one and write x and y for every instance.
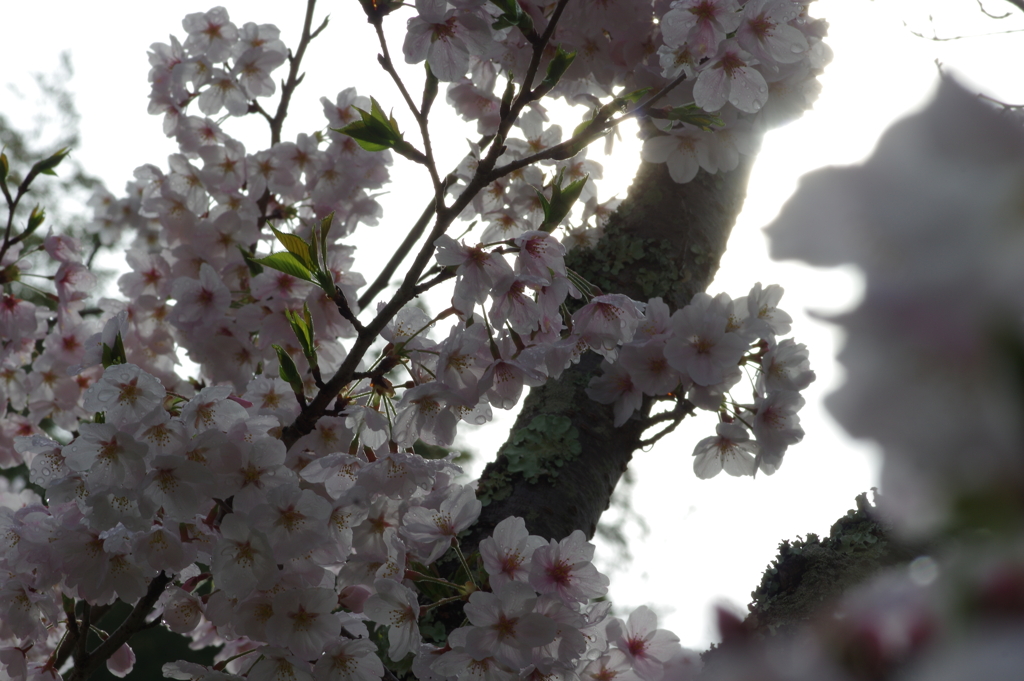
(135, 621)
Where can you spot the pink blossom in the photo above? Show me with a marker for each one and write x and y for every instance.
(647, 647)
(349, 660)
(210, 34)
(243, 559)
(564, 568)
(765, 32)
(730, 77)
(776, 427)
(508, 553)
(303, 622)
(396, 607)
(703, 24)
(731, 450)
(125, 394)
(505, 626)
(432, 531)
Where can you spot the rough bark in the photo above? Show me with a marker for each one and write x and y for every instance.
(563, 458)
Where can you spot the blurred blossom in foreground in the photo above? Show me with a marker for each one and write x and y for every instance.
(935, 351)
(935, 374)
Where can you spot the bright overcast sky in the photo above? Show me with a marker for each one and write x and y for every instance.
(709, 540)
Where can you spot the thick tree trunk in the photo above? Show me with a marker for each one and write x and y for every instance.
(563, 457)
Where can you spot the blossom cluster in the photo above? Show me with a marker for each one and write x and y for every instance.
(300, 549)
(753, 63)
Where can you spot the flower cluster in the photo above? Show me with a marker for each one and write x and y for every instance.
(274, 504)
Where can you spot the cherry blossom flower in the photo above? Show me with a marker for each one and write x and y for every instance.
(564, 568)
(505, 626)
(211, 408)
(303, 622)
(647, 647)
(294, 520)
(685, 150)
(703, 24)
(508, 553)
(120, 664)
(182, 611)
(787, 366)
(278, 664)
(253, 67)
(445, 38)
(731, 450)
(349, 660)
(244, 559)
(764, 32)
(395, 606)
(615, 386)
(125, 394)
(210, 34)
(200, 301)
(434, 530)
(540, 256)
(776, 426)
(730, 77)
(701, 347)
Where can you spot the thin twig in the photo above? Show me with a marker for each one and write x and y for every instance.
(288, 86)
(384, 277)
(420, 116)
(676, 415)
(996, 16)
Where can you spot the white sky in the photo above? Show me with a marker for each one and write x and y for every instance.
(709, 540)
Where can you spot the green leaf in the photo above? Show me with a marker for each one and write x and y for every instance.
(254, 267)
(325, 229)
(512, 15)
(634, 96)
(581, 128)
(694, 115)
(114, 355)
(296, 246)
(287, 263)
(302, 326)
(47, 165)
(35, 219)
(376, 131)
(557, 67)
(5, 168)
(287, 370)
(429, 89)
(367, 136)
(562, 200)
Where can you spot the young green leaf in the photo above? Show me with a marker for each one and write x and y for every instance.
(35, 219)
(287, 369)
(325, 229)
(692, 114)
(562, 200)
(287, 263)
(557, 67)
(46, 166)
(114, 355)
(254, 267)
(297, 247)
